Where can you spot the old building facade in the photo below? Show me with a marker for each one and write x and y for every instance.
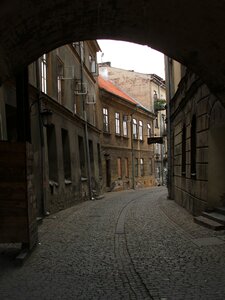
(150, 91)
(197, 126)
(128, 160)
(71, 141)
(65, 133)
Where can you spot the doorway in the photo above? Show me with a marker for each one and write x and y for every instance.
(108, 173)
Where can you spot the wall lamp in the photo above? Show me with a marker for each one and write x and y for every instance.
(46, 116)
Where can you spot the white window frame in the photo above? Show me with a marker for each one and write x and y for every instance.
(105, 112)
(140, 129)
(134, 127)
(60, 74)
(125, 127)
(142, 167)
(44, 73)
(117, 123)
(149, 130)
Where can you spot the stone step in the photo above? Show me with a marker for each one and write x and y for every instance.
(220, 210)
(215, 216)
(206, 222)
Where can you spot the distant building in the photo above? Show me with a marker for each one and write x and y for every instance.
(150, 91)
(128, 160)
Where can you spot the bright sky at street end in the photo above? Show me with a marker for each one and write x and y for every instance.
(130, 56)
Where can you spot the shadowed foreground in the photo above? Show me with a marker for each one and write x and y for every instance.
(129, 245)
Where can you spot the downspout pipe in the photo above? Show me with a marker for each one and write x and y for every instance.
(132, 146)
(169, 144)
(85, 129)
(132, 151)
(43, 204)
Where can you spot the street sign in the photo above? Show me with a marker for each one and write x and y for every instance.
(155, 140)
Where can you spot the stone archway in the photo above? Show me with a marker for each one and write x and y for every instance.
(192, 32)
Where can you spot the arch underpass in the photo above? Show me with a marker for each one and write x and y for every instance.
(190, 31)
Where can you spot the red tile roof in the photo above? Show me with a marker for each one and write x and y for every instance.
(111, 88)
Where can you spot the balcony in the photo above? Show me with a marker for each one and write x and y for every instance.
(159, 104)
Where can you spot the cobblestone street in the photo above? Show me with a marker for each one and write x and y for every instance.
(129, 245)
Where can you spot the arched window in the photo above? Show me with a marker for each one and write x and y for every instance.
(193, 146)
(149, 130)
(135, 135)
(141, 130)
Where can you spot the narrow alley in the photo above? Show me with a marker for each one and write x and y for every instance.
(129, 245)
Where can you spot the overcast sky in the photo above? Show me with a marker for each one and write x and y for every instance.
(131, 56)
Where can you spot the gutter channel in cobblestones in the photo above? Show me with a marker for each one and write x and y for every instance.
(131, 279)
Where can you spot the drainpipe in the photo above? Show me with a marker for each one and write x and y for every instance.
(85, 130)
(132, 147)
(132, 152)
(169, 144)
(43, 203)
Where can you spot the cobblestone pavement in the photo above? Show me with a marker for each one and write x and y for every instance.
(129, 245)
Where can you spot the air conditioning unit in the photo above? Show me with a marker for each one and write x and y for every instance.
(80, 88)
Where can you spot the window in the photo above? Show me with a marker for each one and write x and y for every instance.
(149, 130)
(117, 122)
(60, 73)
(82, 156)
(157, 149)
(134, 127)
(125, 128)
(92, 64)
(150, 166)
(155, 96)
(105, 120)
(76, 46)
(79, 47)
(119, 168)
(82, 52)
(66, 154)
(126, 167)
(193, 146)
(136, 167)
(156, 122)
(142, 166)
(141, 130)
(44, 73)
(183, 169)
(52, 154)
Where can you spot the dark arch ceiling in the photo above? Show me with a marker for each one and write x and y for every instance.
(191, 31)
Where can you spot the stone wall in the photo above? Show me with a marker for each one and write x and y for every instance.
(191, 190)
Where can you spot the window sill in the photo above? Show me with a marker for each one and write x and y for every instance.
(106, 133)
(117, 135)
(193, 175)
(53, 183)
(67, 181)
(83, 179)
